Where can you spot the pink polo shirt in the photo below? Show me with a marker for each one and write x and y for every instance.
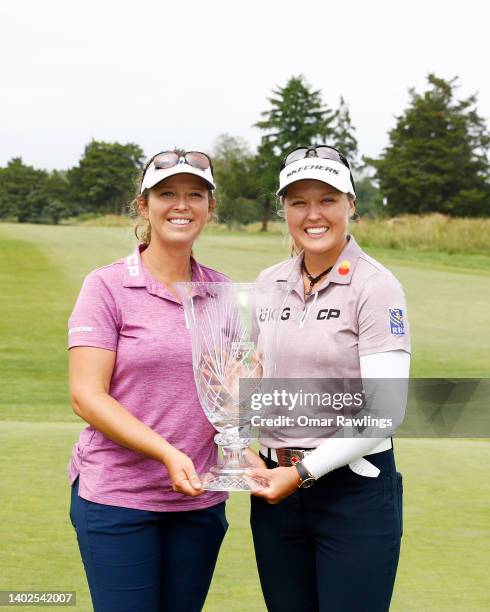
(122, 308)
(359, 309)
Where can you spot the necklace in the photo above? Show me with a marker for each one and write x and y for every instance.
(313, 279)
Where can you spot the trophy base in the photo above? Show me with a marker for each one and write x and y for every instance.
(231, 481)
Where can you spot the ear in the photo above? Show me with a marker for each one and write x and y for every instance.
(142, 204)
(212, 203)
(352, 207)
(281, 208)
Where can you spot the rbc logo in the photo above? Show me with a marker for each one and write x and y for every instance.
(396, 322)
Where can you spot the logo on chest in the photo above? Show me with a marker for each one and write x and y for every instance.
(275, 314)
(328, 313)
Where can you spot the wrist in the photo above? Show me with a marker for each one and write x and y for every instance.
(167, 453)
(306, 478)
(295, 476)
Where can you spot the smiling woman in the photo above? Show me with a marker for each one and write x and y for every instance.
(169, 161)
(135, 491)
(175, 210)
(317, 218)
(332, 513)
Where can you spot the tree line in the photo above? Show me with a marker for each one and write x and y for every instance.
(435, 161)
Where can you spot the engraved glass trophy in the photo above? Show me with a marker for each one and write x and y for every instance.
(222, 318)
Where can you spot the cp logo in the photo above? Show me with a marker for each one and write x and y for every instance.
(328, 313)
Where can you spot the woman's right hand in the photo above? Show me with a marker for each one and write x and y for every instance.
(182, 473)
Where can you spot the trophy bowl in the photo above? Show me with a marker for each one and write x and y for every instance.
(222, 319)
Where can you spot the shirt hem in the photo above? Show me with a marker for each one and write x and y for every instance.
(173, 507)
(93, 344)
(382, 349)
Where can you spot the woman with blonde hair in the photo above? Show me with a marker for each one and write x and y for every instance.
(327, 528)
(148, 533)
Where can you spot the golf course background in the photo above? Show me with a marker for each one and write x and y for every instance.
(444, 560)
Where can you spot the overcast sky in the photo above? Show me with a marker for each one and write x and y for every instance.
(165, 73)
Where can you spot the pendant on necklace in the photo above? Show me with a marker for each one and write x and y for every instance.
(313, 279)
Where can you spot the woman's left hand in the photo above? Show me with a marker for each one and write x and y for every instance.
(282, 481)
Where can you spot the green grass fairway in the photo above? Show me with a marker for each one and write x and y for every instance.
(444, 562)
(42, 267)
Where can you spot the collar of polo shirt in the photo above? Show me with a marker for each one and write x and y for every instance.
(137, 276)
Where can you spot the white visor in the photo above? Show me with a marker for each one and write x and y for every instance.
(328, 171)
(155, 175)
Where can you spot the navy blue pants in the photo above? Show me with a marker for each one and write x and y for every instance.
(143, 561)
(333, 547)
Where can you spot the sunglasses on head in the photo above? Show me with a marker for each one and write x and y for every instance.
(320, 151)
(170, 159)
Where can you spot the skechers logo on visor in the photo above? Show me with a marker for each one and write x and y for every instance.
(312, 167)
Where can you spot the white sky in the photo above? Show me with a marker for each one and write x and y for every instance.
(166, 73)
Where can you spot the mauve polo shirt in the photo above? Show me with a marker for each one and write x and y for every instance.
(360, 309)
(122, 308)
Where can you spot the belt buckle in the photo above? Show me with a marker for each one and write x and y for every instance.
(287, 457)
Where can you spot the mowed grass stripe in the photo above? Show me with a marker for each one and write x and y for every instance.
(33, 312)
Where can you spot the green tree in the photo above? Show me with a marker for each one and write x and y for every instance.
(266, 169)
(22, 191)
(236, 188)
(369, 201)
(104, 179)
(57, 186)
(55, 210)
(436, 159)
(296, 117)
(35, 203)
(344, 133)
(58, 198)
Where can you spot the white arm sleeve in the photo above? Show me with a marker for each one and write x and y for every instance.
(336, 452)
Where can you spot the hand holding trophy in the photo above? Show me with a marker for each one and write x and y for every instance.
(224, 335)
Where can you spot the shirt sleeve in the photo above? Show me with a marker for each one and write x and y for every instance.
(336, 452)
(94, 320)
(382, 316)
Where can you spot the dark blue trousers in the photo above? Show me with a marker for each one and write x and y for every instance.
(143, 561)
(333, 547)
